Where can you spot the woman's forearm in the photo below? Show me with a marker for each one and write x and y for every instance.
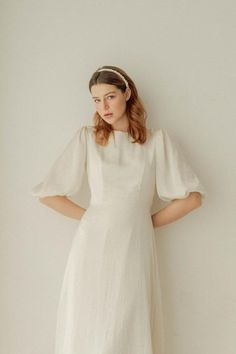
(63, 205)
(176, 209)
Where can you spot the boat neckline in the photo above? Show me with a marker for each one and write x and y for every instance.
(120, 131)
(126, 132)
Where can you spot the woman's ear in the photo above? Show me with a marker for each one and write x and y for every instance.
(127, 93)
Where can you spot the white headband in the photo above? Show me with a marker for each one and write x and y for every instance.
(114, 71)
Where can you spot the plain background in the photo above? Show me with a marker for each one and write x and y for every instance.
(181, 55)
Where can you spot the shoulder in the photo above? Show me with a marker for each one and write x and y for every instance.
(164, 140)
(159, 131)
(83, 131)
(80, 135)
(160, 134)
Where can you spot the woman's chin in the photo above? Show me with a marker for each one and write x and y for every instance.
(109, 119)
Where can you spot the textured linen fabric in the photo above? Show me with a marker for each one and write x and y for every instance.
(110, 300)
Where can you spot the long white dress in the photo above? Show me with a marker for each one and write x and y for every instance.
(110, 301)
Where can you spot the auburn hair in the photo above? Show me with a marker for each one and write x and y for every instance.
(135, 110)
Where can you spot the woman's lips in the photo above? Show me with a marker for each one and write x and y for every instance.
(107, 115)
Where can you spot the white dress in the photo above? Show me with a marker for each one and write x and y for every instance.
(110, 300)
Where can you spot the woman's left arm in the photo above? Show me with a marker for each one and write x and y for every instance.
(176, 209)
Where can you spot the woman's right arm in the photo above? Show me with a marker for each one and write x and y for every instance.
(64, 206)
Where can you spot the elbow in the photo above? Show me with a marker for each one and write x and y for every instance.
(42, 199)
(46, 199)
(50, 198)
(196, 199)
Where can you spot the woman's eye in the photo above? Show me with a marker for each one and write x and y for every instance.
(98, 100)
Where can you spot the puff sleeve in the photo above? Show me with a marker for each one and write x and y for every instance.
(66, 173)
(175, 178)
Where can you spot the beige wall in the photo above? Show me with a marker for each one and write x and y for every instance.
(181, 55)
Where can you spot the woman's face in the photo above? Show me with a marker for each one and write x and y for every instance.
(109, 99)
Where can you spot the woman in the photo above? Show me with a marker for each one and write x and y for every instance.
(110, 299)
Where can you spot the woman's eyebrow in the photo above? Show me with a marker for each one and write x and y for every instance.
(105, 94)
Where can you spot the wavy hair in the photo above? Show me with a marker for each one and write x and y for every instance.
(135, 110)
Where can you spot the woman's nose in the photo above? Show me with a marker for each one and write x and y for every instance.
(105, 104)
